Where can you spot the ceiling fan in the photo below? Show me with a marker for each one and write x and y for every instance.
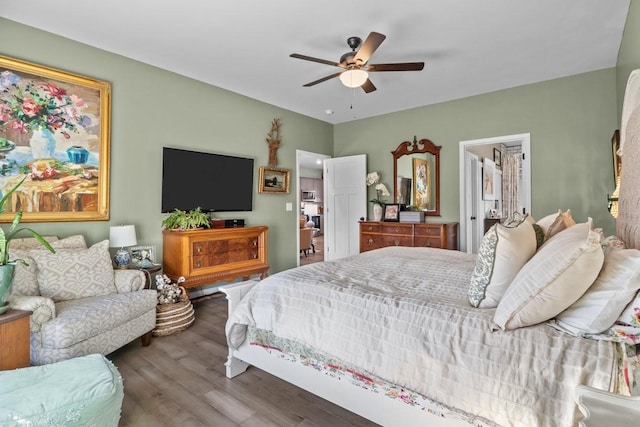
(356, 66)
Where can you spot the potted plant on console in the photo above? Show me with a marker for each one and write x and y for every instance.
(186, 220)
(7, 266)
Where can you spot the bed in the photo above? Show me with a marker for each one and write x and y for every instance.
(399, 336)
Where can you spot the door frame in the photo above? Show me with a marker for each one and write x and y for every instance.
(522, 139)
(298, 198)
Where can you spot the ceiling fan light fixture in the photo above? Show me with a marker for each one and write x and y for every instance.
(354, 77)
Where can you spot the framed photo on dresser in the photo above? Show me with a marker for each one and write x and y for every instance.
(391, 212)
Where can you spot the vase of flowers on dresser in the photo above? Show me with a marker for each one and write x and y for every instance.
(373, 178)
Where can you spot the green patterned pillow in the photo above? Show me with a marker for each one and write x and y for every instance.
(503, 251)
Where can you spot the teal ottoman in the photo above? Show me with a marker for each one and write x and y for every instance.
(85, 391)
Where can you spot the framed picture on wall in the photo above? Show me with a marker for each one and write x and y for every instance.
(54, 130)
(488, 170)
(274, 180)
(497, 157)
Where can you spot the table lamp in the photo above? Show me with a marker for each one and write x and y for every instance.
(120, 237)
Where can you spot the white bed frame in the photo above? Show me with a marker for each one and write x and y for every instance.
(600, 408)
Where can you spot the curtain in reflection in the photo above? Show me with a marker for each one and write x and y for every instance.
(510, 181)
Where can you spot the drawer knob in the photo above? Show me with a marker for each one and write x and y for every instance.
(397, 242)
(198, 264)
(198, 248)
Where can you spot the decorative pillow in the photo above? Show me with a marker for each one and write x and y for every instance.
(539, 235)
(555, 223)
(516, 218)
(503, 251)
(25, 280)
(557, 275)
(615, 287)
(631, 314)
(26, 243)
(72, 242)
(612, 242)
(75, 273)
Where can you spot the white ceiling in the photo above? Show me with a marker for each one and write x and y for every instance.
(469, 46)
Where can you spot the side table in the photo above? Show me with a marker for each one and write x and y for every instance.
(14, 339)
(148, 273)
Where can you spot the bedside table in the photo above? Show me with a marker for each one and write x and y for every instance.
(14, 340)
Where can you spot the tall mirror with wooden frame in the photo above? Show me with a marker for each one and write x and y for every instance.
(416, 174)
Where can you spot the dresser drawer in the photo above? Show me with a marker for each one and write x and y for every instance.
(428, 242)
(369, 242)
(435, 230)
(372, 227)
(403, 229)
(397, 240)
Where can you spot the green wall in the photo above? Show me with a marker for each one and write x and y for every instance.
(152, 108)
(571, 121)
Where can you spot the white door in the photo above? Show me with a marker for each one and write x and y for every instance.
(345, 194)
(472, 203)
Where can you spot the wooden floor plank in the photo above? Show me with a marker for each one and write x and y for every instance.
(179, 380)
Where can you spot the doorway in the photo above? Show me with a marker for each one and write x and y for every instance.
(310, 205)
(474, 205)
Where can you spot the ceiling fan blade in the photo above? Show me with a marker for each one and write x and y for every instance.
(403, 66)
(368, 86)
(373, 41)
(310, 58)
(324, 79)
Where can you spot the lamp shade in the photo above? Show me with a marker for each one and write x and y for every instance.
(354, 78)
(122, 235)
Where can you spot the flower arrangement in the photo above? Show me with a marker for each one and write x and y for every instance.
(381, 189)
(168, 292)
(36, 105)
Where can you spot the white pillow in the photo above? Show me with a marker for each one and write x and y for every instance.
(75, 273)
(555, 223)
(502, 253)
(557, 275)
(600, 306)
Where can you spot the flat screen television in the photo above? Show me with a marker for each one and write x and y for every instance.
(213, 182)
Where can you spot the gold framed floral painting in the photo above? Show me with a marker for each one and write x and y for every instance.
(54, 130)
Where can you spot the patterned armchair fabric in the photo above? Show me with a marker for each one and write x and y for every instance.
(79, 320)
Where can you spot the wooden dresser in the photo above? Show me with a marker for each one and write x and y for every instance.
(374, 234)
(205, 257)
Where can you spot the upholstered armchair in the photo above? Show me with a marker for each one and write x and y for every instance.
(80, 305)
(306, 240)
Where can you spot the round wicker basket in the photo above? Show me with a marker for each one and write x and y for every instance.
(173, 318)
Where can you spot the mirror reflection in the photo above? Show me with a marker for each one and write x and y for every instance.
(416, 170)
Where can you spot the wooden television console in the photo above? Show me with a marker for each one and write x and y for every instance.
(205, 257)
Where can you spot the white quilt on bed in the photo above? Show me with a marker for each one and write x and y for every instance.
(402, 314)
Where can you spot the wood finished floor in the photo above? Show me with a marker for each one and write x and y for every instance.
(316, 256)
(179, 380)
